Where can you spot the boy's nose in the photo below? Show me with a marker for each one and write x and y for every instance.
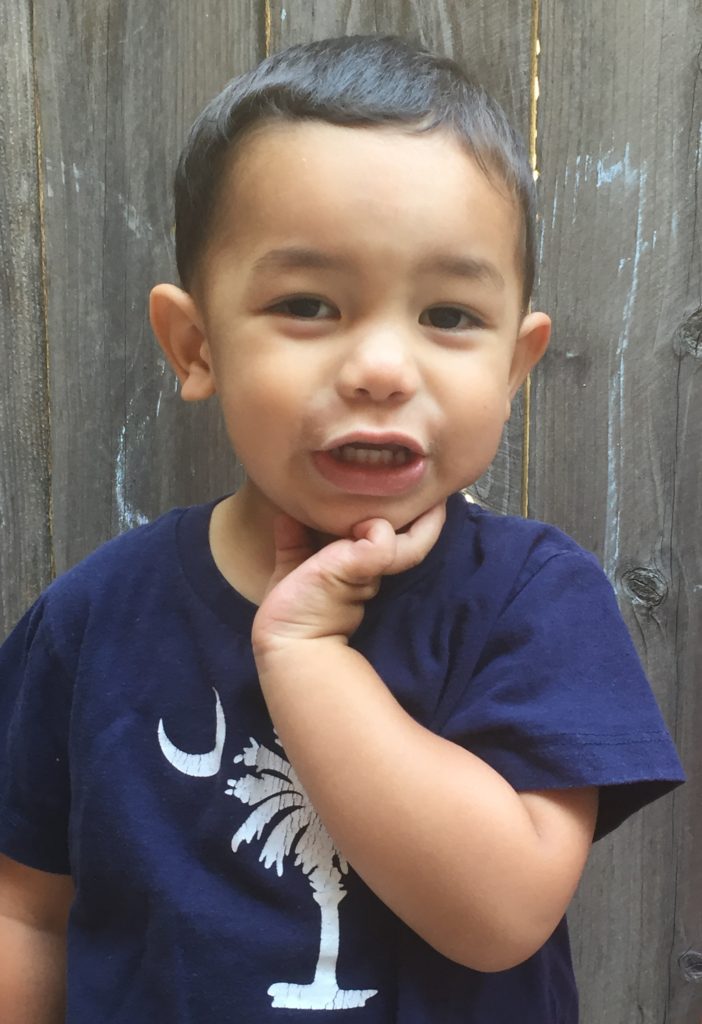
(379, 367)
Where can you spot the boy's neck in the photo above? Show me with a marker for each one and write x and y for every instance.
(241, 540)
(242, 544)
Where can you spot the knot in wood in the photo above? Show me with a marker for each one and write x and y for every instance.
(645, 586)
(687, 339)
(690, 964)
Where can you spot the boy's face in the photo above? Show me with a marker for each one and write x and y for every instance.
(359, 318)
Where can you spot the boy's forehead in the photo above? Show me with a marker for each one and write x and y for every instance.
(271, 149)
(286, 177)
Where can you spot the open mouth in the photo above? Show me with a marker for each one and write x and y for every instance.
(365, 454)
(385, 467)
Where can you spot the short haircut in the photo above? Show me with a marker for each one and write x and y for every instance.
(354, 81)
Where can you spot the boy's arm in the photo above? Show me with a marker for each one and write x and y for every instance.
(34, 909)
(482, 873)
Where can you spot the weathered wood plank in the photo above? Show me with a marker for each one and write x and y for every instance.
(25, 552)
(296, 21)
(119, 84)
(492, 40)
(615, 461)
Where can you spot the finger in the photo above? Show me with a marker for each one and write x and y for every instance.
(372, 549)
(360, 560)
(415, 543)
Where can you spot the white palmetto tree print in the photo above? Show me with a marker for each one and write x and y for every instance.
(271, 789)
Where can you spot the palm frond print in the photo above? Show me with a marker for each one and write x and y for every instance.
(276, 788)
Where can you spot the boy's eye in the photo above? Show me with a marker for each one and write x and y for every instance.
(449, 318)
(305, 307)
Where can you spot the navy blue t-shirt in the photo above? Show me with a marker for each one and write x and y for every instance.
(138, 755)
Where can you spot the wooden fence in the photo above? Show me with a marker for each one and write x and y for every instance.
(96, 98)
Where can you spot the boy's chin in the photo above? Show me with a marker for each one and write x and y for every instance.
(334, 517)
(341, 524)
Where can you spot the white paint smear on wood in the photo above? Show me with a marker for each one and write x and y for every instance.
(610, 170)
(616, 406)
(127, 516)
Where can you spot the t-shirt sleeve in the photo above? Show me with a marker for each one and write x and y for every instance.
(559, 699)
(35, 700)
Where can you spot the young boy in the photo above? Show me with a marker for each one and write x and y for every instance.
(336, 746)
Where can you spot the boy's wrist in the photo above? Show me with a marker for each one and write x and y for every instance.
(274, 650)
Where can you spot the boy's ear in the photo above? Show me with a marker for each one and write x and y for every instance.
(532, 342)
(177, 324)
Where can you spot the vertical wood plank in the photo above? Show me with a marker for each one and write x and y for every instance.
(615, 457)
(295, 21)
(25, 552)
(119, 84)
(493, 42)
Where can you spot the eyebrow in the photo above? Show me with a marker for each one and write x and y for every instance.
(465, 266)
(302, 258)
(295, 257)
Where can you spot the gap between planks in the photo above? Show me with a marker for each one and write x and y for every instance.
(43, 275)
(533, 131)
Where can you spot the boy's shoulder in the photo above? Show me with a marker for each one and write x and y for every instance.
(486, 562)
(114, 578)
(115, 557)
(508, 545)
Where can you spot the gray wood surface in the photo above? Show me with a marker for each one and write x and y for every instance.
(25, 511)
(493, 42)
(119, 84)
(616, 458)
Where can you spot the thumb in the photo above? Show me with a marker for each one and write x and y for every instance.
(373, 550)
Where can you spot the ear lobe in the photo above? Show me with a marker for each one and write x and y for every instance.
(178, 326)
(532, 342)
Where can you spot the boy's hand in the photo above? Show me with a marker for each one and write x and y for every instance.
(315, 594)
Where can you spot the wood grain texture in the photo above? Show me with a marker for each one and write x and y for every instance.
(25, 552)
(119, 84)
(615, 459)
(492, 41)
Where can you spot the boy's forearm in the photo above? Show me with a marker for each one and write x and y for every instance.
(440, 836)
(32, 974)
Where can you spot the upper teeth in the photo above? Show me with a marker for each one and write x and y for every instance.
(395, 456)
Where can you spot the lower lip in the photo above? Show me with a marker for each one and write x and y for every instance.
(373, 481)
